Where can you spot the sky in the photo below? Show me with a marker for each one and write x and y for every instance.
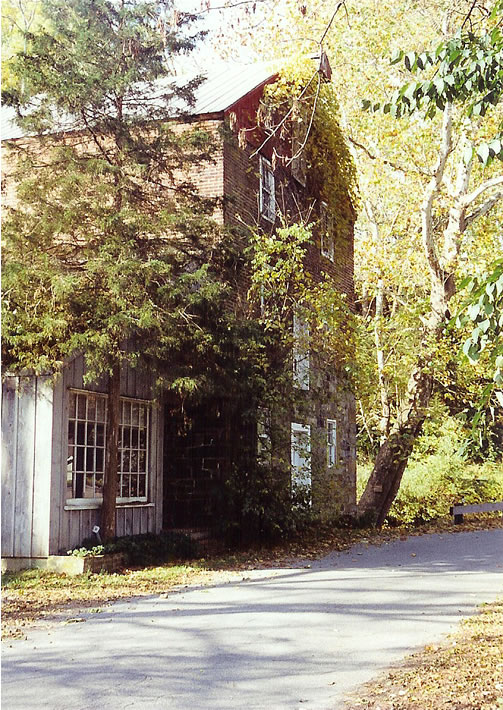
(205, 56)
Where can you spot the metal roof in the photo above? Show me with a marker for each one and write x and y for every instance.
(223, 87)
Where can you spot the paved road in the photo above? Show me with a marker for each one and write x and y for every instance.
(289, 638)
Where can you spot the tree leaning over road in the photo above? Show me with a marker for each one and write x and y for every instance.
(104, 239)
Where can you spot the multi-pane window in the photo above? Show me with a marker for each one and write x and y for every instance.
(327, 231)
(133, 449)
(300, 358)
(298, 161)
(331, 442)
(87, 417)
(267, 195)
(301, 455)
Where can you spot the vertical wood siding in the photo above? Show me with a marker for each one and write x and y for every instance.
(42, 468)
(26, 466)
(58, 463)
(10, 404)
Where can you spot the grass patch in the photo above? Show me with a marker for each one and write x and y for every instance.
(463, 673)
(33, 596)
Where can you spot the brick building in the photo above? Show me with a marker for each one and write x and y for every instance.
(317, 437)
(53, 429)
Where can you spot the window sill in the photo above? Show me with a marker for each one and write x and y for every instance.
(95, 504)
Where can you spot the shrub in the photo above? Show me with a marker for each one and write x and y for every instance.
(148, 548)
(258, 505)
(437, 476)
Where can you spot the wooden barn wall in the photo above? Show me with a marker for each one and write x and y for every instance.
(26, 465)
(70, 526)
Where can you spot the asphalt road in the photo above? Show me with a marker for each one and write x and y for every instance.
(289, 638)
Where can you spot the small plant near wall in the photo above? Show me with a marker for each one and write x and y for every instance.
(144, 549)
(95, 551)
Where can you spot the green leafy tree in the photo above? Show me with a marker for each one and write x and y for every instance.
(106, 241)
(466, 80)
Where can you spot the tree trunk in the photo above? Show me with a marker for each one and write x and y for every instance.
(111, 457)
(394, 453)
(384, 421)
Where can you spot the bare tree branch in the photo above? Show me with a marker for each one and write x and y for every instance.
(468, 199)
(393, 165)
(431, 193)
(484, 208)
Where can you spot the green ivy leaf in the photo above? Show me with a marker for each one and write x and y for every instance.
(410, 60)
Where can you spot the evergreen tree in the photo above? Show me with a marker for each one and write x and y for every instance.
(107, 241)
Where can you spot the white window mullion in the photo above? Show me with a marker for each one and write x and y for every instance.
(300, 456)
(331, 442)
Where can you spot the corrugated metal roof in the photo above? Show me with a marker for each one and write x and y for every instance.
(221, 90)
(223, 87)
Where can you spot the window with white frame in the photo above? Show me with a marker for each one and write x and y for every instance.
(327, 233)
(301, 455)
(300, 353)
(331, 442)
(267, 190)
(87, 416)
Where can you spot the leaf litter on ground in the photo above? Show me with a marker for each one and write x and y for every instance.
(463, 672)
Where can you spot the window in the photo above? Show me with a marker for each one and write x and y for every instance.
(298, 162)
(86, 447)
(327, 232)
(331, 442)
(267, 193)
(301, 455)
(300, 353)
(133, 450)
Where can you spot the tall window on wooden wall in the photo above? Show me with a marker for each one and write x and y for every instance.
(327, 233)
(267, 195)
(87, 416)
